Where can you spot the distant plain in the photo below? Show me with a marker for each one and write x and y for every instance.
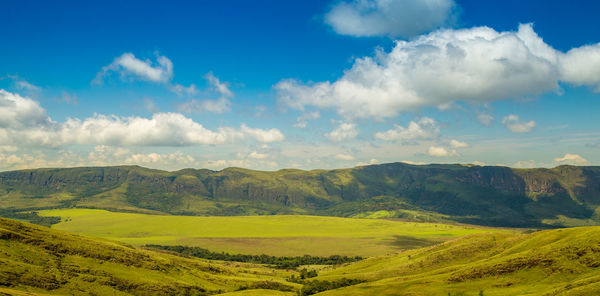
(280, 235)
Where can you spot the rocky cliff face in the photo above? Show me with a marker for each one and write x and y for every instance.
(483, 193)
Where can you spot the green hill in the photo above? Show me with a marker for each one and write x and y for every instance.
(486, 195)
(551, 262)
(36, 259)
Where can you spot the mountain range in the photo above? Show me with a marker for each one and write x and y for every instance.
(484, 195)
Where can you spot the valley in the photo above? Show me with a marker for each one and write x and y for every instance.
(279, 235)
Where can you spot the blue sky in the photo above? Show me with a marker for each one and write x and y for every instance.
(305, 84)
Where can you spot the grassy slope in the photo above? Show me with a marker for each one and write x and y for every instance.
(497, 196)
(552, 262)
(280, 235)
(42, 260)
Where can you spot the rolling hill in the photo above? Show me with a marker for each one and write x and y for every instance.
(485, 195)
(550, 262)
(37, 260)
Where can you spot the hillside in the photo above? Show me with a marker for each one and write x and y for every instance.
(42, 260)
(551, 262)
(487, 195)
(36, 260)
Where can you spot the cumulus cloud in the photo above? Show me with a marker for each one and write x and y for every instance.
(571, 159)
(156, 158)
(23, 120)
(477, 65)
(513, 123)
(581, 66)
(17, 112)
(128, 66)
(262, 135)
(424, 128)
(344, 131)
(395, 18)
(341, 156)
(438, 151)
(458, 144)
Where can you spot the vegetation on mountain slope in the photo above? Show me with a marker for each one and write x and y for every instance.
(35, 260)
(486, 195)
(550, 262)
(42, 260)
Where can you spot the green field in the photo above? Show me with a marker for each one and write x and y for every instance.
(36, 260)
(280, 235)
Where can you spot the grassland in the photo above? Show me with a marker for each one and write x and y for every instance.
(552, 262)
(279, 235)
(36, 260)
(43, 261)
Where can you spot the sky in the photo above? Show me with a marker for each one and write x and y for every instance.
(298, 84)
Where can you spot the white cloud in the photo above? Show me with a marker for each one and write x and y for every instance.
(263, 136)
(581, 66)
(17, 112)
(218, 86)
(303, 119)
(181, 90)
(344, 131)
(128, 66)
(424, 128)
(404, 18)
(156, 158)
(479, 163)
(477, 65)
(458, 144)
(24, 121)
(219, 106)
(438, 151)
(571, 159)
(513, 123)
(341, 156)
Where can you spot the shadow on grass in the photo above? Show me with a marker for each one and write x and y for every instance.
(404, 242)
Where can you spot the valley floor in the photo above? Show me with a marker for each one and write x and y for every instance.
(278, 235)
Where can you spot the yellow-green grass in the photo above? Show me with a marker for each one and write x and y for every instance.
(279, 235)
(552, 262)
(44, 261)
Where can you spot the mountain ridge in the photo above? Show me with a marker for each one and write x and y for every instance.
(486, 195)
